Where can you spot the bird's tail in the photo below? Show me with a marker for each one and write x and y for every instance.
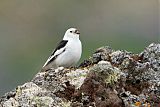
(47, 67)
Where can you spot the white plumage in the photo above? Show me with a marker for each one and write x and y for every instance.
(68, 51)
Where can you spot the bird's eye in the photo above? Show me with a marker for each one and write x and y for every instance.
(71, 31)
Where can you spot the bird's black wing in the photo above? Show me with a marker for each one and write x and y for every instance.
(61, 45)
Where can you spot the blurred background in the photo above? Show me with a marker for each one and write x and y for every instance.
(30, 29)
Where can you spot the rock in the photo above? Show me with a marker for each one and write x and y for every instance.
(108, 78)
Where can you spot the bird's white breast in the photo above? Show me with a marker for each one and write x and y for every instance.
(72, 54)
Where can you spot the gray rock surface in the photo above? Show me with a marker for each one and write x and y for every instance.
(108, 78)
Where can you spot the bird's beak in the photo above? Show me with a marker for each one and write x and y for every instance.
(77, 32)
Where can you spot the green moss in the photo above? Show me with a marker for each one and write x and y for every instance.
(106, 72)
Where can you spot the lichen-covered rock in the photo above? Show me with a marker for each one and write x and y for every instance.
(11, 103)
(31, 95)
(152, 55)
(108, 78)
(105, 71)
(98, 87)
(77, 77)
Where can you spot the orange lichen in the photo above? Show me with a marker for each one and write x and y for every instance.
(138, 104)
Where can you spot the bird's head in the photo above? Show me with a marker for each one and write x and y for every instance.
(72, 33)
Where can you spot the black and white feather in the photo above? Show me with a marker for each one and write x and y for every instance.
(68, 51)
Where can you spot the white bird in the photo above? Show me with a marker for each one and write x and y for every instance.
(68, 51)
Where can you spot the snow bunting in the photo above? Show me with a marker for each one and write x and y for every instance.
(68, 51)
